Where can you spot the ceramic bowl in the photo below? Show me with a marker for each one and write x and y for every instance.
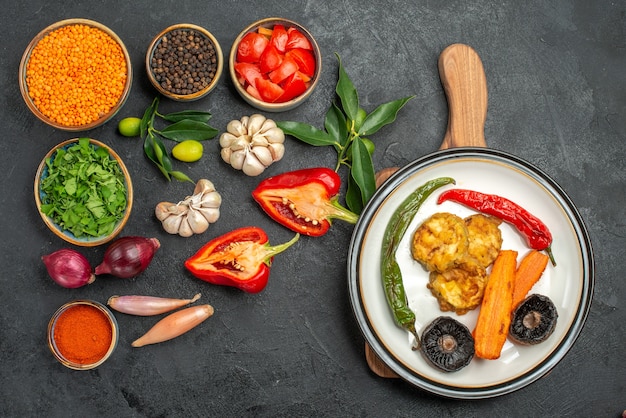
(40, 197)
(253, 99)
(66, 353)
(107, 112)
(154, 61)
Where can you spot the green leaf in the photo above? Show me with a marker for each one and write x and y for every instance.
(180, 176)
(195, 115)
(382, 115)
(363, 170)
(307, 133)
(353, 196)
(347, 93)
(148, 118)
(335, 124)
(188, 129)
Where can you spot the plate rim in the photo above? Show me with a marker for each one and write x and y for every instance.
(579, 318)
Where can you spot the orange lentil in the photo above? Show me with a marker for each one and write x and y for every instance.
(76, 74)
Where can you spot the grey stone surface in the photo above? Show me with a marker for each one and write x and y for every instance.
(557, 98)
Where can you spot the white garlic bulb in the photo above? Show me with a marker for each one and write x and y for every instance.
(193, 214)
(252, 144)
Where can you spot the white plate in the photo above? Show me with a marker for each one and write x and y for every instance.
(569, 284)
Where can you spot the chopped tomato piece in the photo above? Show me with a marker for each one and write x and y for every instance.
(265, 31)
(296, 39)
(249, 72)
(279, 38)
(269, 91)
(252, 91)
(284, 70)
(305, 60)
(251, 47)
(270, 59)
(293, 86)
(304, 77)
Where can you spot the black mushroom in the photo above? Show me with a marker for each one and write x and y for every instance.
(533, 320)
(447, 344)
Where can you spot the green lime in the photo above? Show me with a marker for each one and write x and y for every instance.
(369, 145)
(129, 126)
(188, 151)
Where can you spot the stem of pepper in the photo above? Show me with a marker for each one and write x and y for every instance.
(343, 213)
(271, 251)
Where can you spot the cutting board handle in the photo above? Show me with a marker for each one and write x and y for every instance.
(464, 82)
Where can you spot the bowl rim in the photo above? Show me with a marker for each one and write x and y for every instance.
(114, 333)
(65, 235)
(282, 106)
(218, 71)
(24, 63)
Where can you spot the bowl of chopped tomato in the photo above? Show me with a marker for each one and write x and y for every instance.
(275, 64)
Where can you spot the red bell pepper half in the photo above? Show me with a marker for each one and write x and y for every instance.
(304, 201)
(240, 258)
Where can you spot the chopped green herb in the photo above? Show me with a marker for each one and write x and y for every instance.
(84, 191)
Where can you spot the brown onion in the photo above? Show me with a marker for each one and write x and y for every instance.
(126, 257)
(69, 268)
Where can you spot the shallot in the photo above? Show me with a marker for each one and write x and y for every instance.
(175, 324)
(128, 256)
(69, 268)
(147, 305)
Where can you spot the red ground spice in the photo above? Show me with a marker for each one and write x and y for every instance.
(83, 334)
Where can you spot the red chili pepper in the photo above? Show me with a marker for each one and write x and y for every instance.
(304, 201)
(537, 234)
(240, 258)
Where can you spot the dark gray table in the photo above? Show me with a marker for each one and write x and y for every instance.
(557, 98)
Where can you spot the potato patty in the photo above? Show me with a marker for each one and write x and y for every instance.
(440, 242)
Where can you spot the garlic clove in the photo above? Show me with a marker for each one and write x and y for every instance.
(237, 159)
(263, 154)
(184, 230)
(211, 214)
(161, 210)
(171, 224)
(255, 123)
(203, 186)
(197, 222)
(252, 166)
(227, 138)
(225, 153)
(277, 151)
(259, 140)
(236, 127)
(211, 200)
(275, 135)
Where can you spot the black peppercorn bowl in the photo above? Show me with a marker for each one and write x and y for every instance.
(184, 62)
(250, 93)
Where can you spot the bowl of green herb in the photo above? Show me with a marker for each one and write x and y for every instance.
(83, 192)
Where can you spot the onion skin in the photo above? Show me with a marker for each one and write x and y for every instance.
(147, 305)
(69, 268)
(126, 257)
(175, 324)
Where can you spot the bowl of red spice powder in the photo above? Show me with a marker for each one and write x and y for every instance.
(184, 62)
(82, 334)
(75, 74)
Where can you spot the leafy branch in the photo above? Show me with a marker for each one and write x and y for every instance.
(187, 124)
(347, 128)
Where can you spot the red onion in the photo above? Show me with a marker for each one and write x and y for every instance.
(128, 256)
(69, 268)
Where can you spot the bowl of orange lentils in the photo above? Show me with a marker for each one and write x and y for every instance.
(75, 74)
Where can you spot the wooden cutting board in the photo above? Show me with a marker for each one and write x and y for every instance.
(465, 85)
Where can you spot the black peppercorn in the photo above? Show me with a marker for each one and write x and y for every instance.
(184, 61)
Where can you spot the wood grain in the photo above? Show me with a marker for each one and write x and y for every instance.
(465, 85)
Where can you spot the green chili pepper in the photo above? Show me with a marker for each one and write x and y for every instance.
(390, 270)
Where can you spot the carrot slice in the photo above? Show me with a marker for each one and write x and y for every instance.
(528, 273)
(494, 317)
